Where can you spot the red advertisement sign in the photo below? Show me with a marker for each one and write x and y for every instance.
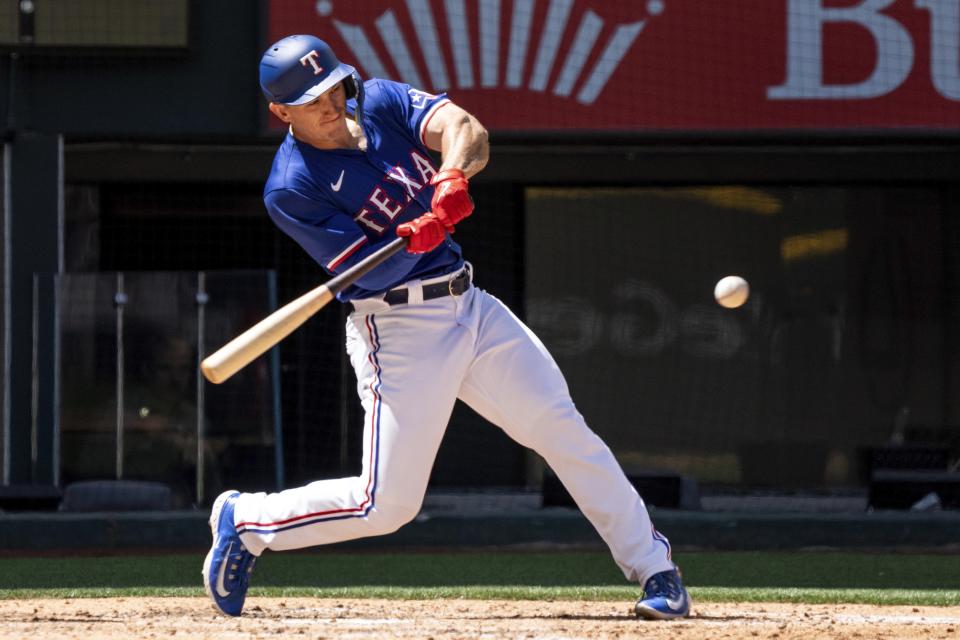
(657, 64)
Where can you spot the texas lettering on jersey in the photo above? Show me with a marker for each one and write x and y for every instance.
(381, 205)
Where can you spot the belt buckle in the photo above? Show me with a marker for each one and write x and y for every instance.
(456, 278)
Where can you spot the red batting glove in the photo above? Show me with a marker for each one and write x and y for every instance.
(425, 233)
(451, 202)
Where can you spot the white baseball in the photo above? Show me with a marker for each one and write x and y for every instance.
(731, 292)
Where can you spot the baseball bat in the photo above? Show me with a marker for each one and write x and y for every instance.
(243, 349)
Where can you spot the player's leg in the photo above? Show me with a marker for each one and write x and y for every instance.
(408, 362)
(515, 383)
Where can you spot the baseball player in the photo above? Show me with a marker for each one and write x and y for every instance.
(353, 172)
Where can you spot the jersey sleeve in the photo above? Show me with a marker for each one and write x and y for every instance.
(413, 108)
(331, 237)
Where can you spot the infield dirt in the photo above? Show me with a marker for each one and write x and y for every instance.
(449, 619)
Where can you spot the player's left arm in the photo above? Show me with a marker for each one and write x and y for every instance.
(464, 150)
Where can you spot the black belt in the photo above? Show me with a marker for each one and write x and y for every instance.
(454, 287)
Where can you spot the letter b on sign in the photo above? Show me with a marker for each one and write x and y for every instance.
(805, 20)
(894, 49)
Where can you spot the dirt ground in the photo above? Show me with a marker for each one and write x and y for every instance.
(449, 619)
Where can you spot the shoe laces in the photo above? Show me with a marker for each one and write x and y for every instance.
(240, 566)
(665, 584)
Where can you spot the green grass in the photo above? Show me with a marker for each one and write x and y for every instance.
(788, 577)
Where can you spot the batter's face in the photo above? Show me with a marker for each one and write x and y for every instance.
(321, 122)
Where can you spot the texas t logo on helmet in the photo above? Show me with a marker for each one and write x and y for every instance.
(311, 59)
(298, 69)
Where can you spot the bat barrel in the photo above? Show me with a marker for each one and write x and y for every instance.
(253, 342)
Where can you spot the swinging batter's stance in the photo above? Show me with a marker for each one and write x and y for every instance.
(353, 173)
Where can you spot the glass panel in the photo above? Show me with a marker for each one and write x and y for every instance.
(243, 412)
(88, 376)
(159, 385)
(162, 410)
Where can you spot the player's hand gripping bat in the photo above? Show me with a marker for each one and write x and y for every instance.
(243, 349)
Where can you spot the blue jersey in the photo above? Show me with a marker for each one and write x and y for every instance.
(341, 205)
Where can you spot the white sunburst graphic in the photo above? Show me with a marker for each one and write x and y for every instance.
(483, 44)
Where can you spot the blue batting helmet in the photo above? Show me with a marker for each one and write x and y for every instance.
(297, 69)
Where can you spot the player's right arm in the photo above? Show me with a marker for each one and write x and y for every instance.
(333, 239)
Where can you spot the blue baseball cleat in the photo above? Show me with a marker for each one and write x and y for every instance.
(227, 569)
(664, 597)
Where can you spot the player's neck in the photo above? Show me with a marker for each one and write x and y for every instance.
(357, 138)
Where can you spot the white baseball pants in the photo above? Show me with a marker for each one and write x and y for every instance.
(412, 362)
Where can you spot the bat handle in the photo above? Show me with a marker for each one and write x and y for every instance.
(365, 266)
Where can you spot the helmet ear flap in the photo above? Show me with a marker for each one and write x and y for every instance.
(353, 88)
(350, 87)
